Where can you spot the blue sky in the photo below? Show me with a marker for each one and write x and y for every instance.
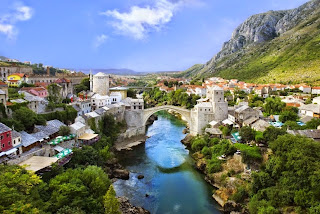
(143, 35)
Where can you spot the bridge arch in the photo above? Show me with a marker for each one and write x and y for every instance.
(185, 113)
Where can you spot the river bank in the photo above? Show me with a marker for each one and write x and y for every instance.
(225, 188)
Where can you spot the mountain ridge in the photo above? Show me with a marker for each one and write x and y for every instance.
(267, 37)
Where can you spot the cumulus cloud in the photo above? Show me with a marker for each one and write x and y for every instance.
(8, 21)
(139, 21)
(100, 40)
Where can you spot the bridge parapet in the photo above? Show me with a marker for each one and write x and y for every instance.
(150, 111)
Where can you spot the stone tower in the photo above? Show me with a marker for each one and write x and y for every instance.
(91, 81)
(101, 84)
(220, 106)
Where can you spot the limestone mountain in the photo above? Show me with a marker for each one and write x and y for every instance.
(276, 46)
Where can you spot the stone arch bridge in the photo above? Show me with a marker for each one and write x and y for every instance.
(185, 113)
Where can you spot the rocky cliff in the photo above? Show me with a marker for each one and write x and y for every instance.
(255, 36)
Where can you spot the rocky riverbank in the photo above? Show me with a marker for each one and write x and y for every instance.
(224, 188)
(127, 208)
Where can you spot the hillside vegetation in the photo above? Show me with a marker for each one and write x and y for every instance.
(291, 56)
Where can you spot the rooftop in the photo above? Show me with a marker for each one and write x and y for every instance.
(4, 128)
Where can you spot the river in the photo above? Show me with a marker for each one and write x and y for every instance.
(172, 183)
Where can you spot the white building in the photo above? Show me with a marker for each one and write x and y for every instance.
(115, 97)
(312, 110)
(315, 90)
(98, 101)
(305, 89)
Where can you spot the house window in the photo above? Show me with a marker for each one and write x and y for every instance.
(19, 139)
(1, 137)
(3, 145)
(9, 143)
(14, 142)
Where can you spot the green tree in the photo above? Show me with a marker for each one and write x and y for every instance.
(26, 117)
(247, 134)
(64, 130)
(288, 116)
(271, 133)
(54, 94)
(18, 190)
(274, 105)
(111, 203)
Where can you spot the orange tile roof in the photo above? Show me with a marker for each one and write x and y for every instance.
(18, 74)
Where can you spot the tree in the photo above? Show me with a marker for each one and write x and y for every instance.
(54, 94)
(247, 134)
(78, 188)
(131, 93)
(288, 116)
(111, 203)
(18, 190)
(274, 105)
(64, 130)
(26, 117)
(271, 133)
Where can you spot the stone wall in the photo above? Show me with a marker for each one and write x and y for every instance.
(24, 157)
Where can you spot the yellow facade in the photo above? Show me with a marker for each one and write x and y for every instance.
(14, 80)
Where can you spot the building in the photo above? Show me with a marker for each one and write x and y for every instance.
(15, 80)
(115, 97)
(312, 110)
(100, 83)
(315, 90)
(243, 113)
(122, 90)
(16, 142)
(82, 107)
(6, 71)
(5, 138)
(78, 129)
(36, 91)
(98, 101)
(66, 87)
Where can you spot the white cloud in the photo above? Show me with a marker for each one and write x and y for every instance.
(100, 40)
(23, 13)
(139, 21)
(8, 21)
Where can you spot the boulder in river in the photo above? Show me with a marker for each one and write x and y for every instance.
(127, 208)
(121, 174)
(140, 176)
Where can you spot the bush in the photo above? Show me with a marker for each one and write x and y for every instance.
(240, 195)
(214, 165)
(206, 152)
(198, 144)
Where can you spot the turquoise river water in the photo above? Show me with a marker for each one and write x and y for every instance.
(171, 180)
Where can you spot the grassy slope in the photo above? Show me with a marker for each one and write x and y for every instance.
(291, 58)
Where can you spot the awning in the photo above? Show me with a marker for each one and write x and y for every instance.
(36, 163)
(63, 153)
(87, 136)
(8, 152)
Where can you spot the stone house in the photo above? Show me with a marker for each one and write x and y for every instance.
(78, 129)
(243, 113)
(312, 110)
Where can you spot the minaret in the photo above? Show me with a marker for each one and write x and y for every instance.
(91, 81)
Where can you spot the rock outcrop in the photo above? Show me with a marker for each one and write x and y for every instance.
(264, 27)
(127, 208)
